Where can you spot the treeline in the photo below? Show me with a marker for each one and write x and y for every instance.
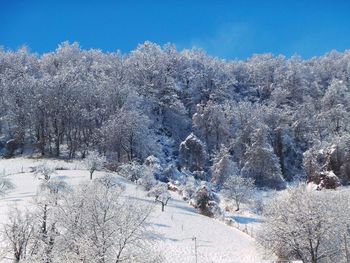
(255, 117)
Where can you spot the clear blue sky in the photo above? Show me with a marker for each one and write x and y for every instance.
(227, 29)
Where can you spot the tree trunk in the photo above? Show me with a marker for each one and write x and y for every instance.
(237, 205)
(44, 228)
(57, 146)
(91, 172)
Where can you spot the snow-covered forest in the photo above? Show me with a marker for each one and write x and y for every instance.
(274, 119)
(270, 129)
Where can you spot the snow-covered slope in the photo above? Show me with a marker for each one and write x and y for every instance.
(174, 229)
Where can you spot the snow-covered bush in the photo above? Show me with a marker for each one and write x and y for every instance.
(54, 186)
(109, 181)
(328, 180)
(205, 201)
(147, 180)
(200, 175)
(257, 205)
(132, 171)
(171, 173)
(138, 173)
(5, 184)
(153, 162)
(189, 188)
(11, 147)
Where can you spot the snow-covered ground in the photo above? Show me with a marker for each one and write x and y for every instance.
(174, 229)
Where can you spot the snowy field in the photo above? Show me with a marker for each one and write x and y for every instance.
(174, 228)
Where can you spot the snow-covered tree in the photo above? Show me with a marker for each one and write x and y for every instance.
(101, 226)
(262, 165)
(334, 117)
(17, 234)
(94, 162)
(223, 168)
(192, 153)
(189, 188)
(132, 171)
(44, 171)
(305, 225)
(128, 134)
(161, 194)
(211, 123)
(239, 189)
(147, 180)
(45, 215)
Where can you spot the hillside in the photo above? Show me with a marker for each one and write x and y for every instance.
(174, 228)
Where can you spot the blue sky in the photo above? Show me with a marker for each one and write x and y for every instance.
(227, 29)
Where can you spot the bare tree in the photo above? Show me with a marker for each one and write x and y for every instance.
(93, 162)
(17, 233)
(44, 171)
(305, 225)
(101, 226)
(238, 189)
(161, 194)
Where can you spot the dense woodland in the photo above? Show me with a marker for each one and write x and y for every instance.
(269, 118)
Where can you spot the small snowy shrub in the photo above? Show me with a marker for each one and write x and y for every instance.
(132, 171)
(204, 200)
(189, 188)
(5, 184)
(147, 180)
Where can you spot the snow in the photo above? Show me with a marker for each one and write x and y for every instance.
(174, 228)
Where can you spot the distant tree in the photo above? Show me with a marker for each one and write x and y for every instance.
(239, 189)
(204, 200)
(262, 165)
(223, 167)
(192, 153)
(94, 162)
(44, 171)
(161, 194)
(132, 171)
(334, 117)
(128, 134)
(211, 123)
